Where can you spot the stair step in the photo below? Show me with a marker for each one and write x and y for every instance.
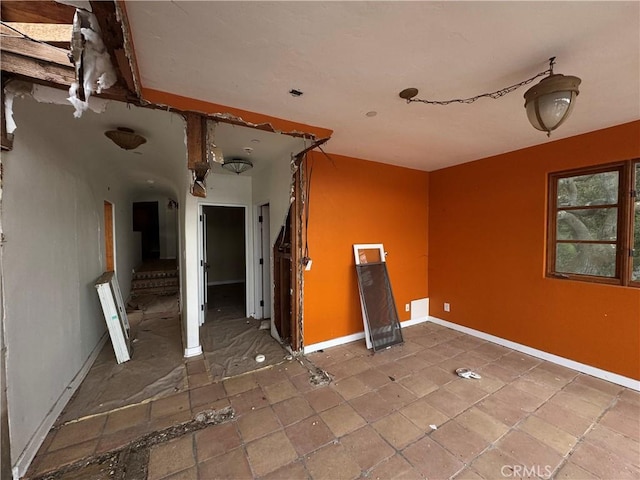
(158, 274)
(155, 291)
(154, 282)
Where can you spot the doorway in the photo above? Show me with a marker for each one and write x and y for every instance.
(225, 262)
(146, 221)
(109, 244)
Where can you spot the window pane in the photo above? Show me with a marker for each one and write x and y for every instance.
(586, 259)
(596, 189)
(588, 224)
(635, 273)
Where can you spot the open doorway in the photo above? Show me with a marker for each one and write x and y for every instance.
(146, 221)
(225, 262)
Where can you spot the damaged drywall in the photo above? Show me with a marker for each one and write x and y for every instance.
(42, 94)
(94, 71)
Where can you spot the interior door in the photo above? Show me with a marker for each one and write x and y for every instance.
(282, 274)
(265, 261)
(204, 266)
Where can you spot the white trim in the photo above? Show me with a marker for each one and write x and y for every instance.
(26, 457)
(333, 343)
(354, 337)
(565, 362)
(193, 351)
(413, 321)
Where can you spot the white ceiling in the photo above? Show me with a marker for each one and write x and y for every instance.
(353, 57)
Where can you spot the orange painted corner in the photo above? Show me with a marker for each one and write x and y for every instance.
(358, 201)
(194, 105)
(487, 245)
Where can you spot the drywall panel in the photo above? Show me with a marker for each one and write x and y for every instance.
(52, 221)
(487, 256)
(272, 185)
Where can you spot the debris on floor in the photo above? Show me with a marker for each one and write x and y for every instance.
(215, 417)
(317, 376)
(466, 373)
(132, 460)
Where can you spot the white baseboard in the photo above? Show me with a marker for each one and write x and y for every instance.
(565, 362)
(413, 321)
(26, 457)
(192, 351)
(354, 337)
(333, 342)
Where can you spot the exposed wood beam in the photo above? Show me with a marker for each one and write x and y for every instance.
(196, 140)
(41, 51)
(197, 152)
(113, 39)
(36, 12)
(36, 69)
(54, 75)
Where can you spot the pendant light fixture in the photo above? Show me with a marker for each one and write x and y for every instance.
(125, 138)
(550, 102)
(237, 165)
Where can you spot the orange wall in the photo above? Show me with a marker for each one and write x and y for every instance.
(357, 201)
(487, 227)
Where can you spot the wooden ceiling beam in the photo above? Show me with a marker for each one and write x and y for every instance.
(41, 51)
(55, 75)
(113, 39)
(40, 11)
(36, 69)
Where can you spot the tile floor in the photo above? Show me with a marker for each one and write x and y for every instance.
(401, 413)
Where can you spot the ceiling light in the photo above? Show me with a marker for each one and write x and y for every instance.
(548, 104)
(372, 113)
(237, 165)
(296, 93)
(125, 138)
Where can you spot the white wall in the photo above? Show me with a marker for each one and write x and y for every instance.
(273, 186)
(52, 216)
(226, 190)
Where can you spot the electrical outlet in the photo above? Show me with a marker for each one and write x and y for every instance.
(447, 307)
(407, 307)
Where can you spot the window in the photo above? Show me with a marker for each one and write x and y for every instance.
(594, 224)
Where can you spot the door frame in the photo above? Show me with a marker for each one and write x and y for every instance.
(109, 220)
(248, 259)
(264, 270)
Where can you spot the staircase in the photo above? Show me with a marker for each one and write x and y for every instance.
(156, 277)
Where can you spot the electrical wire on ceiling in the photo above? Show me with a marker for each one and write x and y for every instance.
(308, 197)
(409, 93)
(27, 37)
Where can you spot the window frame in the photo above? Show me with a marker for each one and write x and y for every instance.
(625, 222)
